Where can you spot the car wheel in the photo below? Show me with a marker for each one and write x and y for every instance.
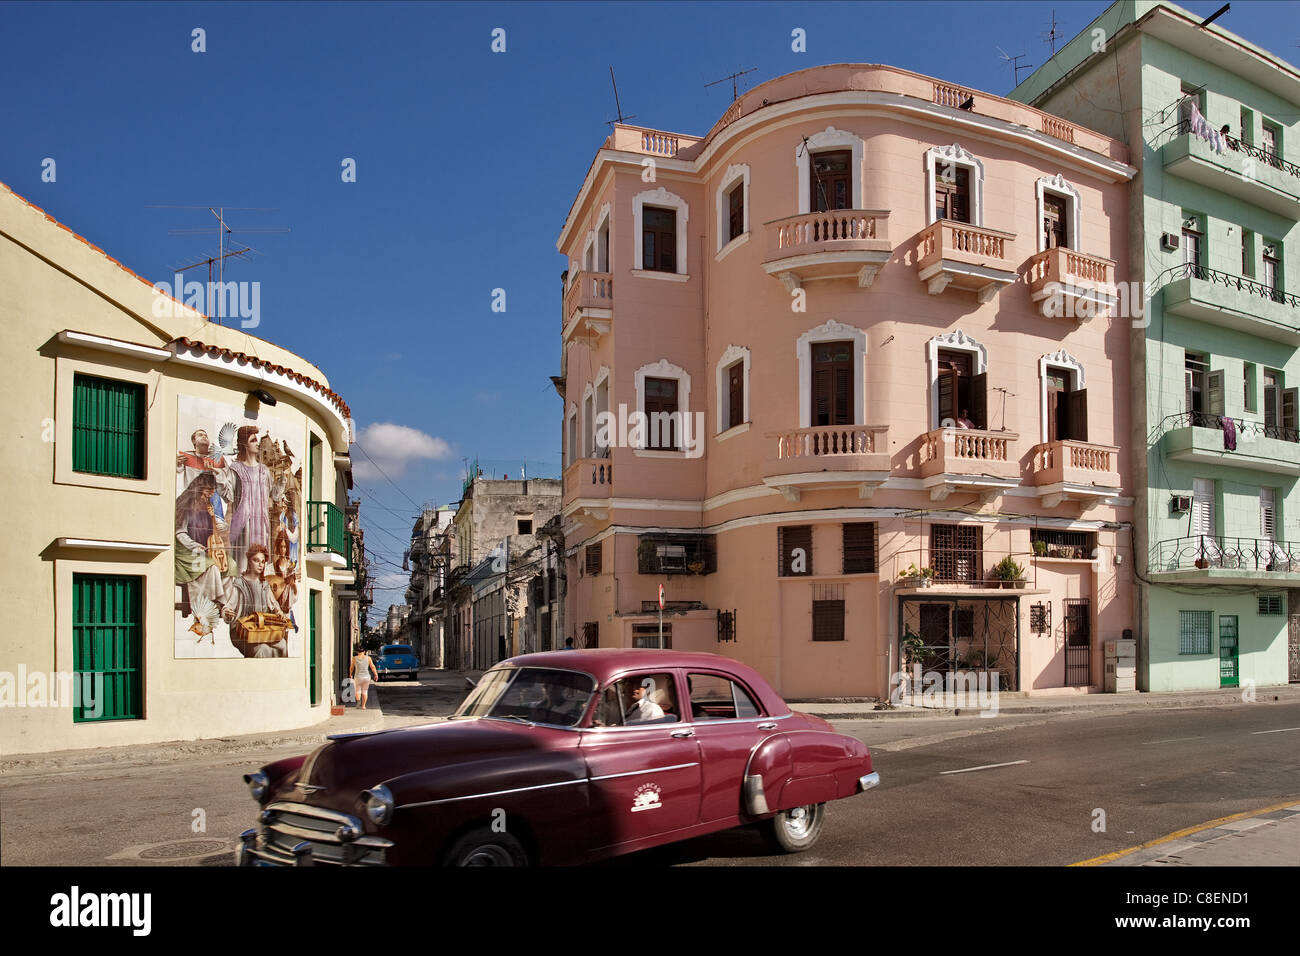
(791, 831)
(486, 848)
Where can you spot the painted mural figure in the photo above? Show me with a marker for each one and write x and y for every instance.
(249, 595)
(201, 561)
(246, 482)
(191, 464)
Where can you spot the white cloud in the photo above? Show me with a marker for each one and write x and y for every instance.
(393, 446)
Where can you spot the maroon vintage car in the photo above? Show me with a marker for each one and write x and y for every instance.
(564, 757)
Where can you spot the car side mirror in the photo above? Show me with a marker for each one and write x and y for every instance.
(472, 683)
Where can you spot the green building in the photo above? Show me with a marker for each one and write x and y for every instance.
(1211, 121)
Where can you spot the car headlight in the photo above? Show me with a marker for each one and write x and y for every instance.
(379, 804)
(258, 785)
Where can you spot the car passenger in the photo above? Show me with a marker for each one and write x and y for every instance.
(643, 708)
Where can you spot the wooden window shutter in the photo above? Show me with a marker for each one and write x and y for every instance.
(979, 400)
(1267, 514)
(1187, 391)
(1290, 413)
(843, 396)
(822, 398)
(1054, 234)
(593, 556)
(794, 550)
(1078, 421)
(736, 210)
(736, 394)
(948, 396)
(828, 621)
(859, 547)
(1214, 386)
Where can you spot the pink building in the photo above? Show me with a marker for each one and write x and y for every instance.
(875, 317)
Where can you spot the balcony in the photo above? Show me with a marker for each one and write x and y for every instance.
(1072, 284)
(968, 460)
(670, 554)
(965, 257)
(840, 244)
(1216, 559)
(327, 537)
(1199, 438)
(1074, 471)
(828, 456)
(589, 306)
(1242, 170)
(1233, 302)
(588, 487)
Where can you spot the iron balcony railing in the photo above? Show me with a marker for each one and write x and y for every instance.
(1217, 551)
(326, 528)
(1268, 158)
(1247, 429)
(1189, 270)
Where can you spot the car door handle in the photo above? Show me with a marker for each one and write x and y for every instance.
(768, 725)
(683, 733)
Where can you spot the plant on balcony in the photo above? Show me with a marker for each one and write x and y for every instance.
(917, 577)
(1009, 572)
(696, 566)
(1040, 549)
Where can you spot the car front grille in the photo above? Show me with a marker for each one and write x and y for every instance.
(287, 825)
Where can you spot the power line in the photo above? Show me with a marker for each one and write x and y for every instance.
(385, 474)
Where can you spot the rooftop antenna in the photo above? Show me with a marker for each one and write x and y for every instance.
(1052, 35)
(735, 93)
(620, 118)
(1016, 67)
(222, 229)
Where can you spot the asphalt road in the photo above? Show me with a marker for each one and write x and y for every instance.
(1152, 773)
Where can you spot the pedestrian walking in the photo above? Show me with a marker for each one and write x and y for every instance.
(361, 669)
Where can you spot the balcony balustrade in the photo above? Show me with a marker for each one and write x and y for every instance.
(835, 244)
(589, 478)
(828, 456)
(965, 257)
(1070, 284)
(327, 535)
(968, 459)
(1233, 302)
(1218, 558)
(1200, 437)
(1067, 469)
(1244, 171)
(589, 305)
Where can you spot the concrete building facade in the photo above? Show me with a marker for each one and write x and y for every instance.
(869, 311)
(1213, 212)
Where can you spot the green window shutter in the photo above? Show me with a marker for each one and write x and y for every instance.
(313, 607)
(108, 427)
(107, 647)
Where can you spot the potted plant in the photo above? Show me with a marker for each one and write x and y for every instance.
(1010, 572)
(696, 566)
(1040, 549)
(913, 648)
(917, 577)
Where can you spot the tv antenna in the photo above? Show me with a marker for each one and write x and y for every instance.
(735, 93)
(222, 229)
(1052, 35)
(1016, 66)
(621, 118)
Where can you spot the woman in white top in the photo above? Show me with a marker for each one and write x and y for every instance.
(362, 668)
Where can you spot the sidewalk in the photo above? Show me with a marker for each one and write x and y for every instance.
(1271, 838)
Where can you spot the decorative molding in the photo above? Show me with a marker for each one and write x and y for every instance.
(831, 331)
(98, 544)
(659, 197)
(829, 138)
(732, 354)
(1062, 187)
(1061, 359)
(735, 171)
(666, 369)
(955, 155)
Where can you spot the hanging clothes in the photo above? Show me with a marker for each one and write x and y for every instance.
(1200, 127)
(1229, 427)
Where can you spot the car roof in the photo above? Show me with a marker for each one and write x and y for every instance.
(603, 663)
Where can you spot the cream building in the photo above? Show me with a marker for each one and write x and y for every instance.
(177, 556)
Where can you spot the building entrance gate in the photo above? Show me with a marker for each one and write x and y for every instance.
(965, 633)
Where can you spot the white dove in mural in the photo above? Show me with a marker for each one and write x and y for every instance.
(206, 616)
(226, 439)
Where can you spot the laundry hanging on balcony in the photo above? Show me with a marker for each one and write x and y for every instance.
(1229, 427)
(1203, 129)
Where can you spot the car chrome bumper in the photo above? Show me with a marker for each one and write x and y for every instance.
(868, 782)
(295, 834)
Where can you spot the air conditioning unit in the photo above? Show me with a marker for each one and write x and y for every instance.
(1169, 241)
(1180, 504)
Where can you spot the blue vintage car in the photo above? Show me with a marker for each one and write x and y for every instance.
(397, 659)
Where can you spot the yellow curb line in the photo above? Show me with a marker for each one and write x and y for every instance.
(1106, 858)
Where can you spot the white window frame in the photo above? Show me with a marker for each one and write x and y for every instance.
(735, 173)
(1058, 185)
(831, 331)
(1062, 360)
(664, 369)
(732, 355)
(571, 434)
(604, 219)
(602, 380)
(662, 198)
(829, 138)
(956, 341)
(957, 156)
(589, 421)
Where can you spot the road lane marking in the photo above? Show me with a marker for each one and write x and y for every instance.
(987, 766)
(1281, 731)
(1107, 857)
(1169, 740)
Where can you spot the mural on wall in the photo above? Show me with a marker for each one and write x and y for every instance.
(238, 521)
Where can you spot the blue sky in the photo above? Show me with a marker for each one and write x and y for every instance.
(467, 161)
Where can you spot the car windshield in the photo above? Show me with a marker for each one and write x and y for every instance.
(538, 694)
(396, 649)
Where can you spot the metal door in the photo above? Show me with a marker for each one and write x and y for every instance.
(1078, 643)
(1229, 671)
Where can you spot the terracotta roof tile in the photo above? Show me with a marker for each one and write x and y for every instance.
(245, 358)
